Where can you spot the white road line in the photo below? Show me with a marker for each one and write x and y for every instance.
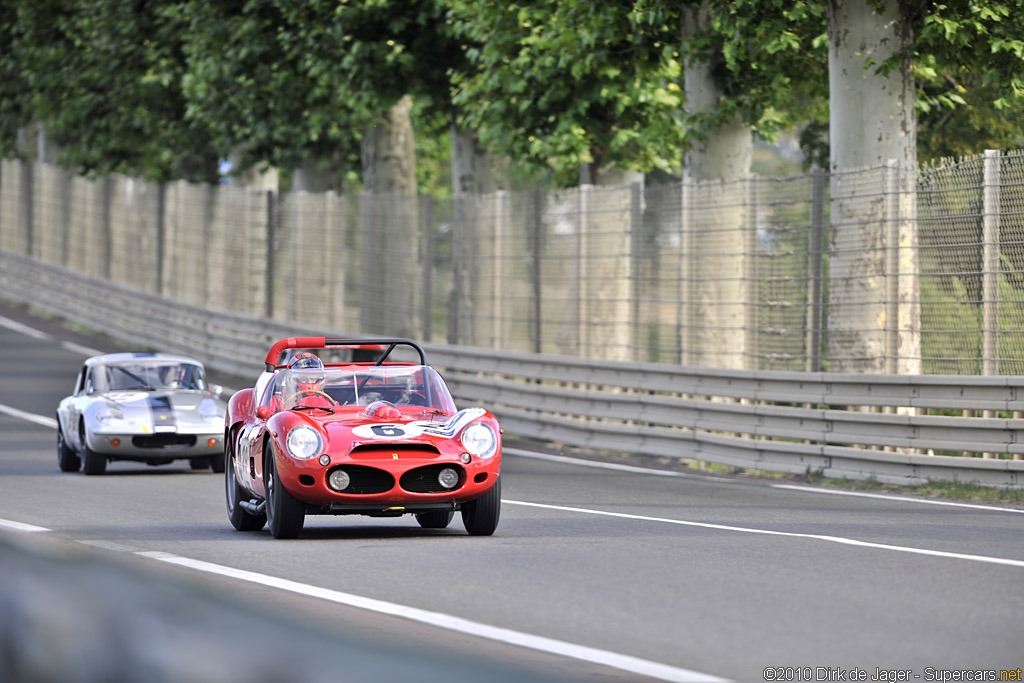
(31, 417)
(21, 526)
(23, 329)
(78, 348)
(449, 622)
(38, 334)
(600, 465)
(793, 487)
(902, 499)
(769, 532)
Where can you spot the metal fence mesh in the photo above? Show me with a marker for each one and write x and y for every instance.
(873, 270)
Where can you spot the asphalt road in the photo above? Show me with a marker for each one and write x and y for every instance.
(661, 575)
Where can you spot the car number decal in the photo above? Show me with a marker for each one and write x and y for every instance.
(387, 431)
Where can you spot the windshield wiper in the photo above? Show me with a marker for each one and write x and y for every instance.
(329, 410)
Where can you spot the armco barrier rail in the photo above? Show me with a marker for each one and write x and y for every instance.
(841, 425)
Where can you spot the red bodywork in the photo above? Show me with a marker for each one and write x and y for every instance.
(373, 441)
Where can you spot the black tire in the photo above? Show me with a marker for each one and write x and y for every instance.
(285, 513)
(67, 459)
(93, 462)
(217, 462)
(240, 519)
(200, 463)
(435, 519)
(480, 516)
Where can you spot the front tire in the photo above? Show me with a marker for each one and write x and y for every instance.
(480, 516)
(94, 463)
(200, 463)
(240, 519)
(435, 519)
(217, 461)
(285, 514)
(67, 459)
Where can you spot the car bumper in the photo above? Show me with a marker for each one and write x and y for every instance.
(307, 481)
(158, 446)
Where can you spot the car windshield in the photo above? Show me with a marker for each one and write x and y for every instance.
(149, 376)
(402, 385)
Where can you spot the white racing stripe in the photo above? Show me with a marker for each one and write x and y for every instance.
(31, 417)
(449, 622)
(769, 532)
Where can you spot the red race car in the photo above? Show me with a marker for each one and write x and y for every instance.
(381, 438)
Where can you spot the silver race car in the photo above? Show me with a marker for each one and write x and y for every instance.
(147, 407)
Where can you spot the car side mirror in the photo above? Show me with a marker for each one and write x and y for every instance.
(263, 412)
(217, 390)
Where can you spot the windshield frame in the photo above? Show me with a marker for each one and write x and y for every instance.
(404, 385)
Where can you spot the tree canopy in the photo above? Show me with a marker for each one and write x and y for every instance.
(164, 89)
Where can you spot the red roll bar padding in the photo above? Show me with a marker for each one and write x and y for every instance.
(291, 343)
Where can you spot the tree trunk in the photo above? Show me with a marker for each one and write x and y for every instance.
(389, 223)
(312, 176)
(472, 170)
(389, 155)
(716, 267)
(874, 318)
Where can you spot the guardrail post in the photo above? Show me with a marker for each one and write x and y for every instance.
(583, 270)
(751, 358)
(27, 201)
(161, 236)
(990, 264)
(990, 270)
(815, 266)
(636, 241)
(892, 246)
(427, 242)
(107, 228)
(271, 237)
(684, 330)
(455, 301)
(537, 250)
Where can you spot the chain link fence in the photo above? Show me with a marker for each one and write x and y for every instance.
(877, 270)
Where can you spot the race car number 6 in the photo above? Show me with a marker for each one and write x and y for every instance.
(788, 673)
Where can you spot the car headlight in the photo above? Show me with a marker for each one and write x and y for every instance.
(209, 410)
(109, 415)
(480, 440)
(304, 443)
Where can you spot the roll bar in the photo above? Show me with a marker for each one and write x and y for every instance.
(325, 342)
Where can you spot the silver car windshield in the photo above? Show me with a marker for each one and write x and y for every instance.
(148, 377)
(405, 385)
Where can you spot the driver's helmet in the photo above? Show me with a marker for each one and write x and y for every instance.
(308, 371)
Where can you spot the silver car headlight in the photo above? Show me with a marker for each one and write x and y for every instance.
(108, 415)
(209, 410)
(304, 443)
(480, 440)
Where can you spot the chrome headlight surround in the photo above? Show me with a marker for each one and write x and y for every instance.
(479, 439)
(108, 414)
(304, 443)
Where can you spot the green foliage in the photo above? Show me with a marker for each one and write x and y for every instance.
(559, 83)
(103, 78)
(163, 89)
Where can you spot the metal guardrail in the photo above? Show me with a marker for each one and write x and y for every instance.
(841, 425)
